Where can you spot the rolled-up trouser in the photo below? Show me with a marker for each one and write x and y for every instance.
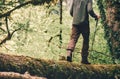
(83, 29)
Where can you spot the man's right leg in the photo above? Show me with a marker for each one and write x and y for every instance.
(73, 40)
(85, 53)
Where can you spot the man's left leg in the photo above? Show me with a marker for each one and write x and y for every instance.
(73, 40)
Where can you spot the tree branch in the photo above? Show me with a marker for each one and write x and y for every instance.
(17, 7)
(9, 36)
(34, 2)
(2, 29)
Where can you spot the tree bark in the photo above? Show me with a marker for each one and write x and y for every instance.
(57, 70)
(113, 26)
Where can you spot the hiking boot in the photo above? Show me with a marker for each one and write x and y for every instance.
(85, 62)
(69, 55)
(69, 59)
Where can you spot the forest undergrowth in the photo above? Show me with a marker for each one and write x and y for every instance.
(42, 36)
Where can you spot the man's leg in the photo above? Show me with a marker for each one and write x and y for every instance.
(85, 47)
(73, 40)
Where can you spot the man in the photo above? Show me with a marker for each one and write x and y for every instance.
(80, 10)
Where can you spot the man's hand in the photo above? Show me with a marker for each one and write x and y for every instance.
(98, 17)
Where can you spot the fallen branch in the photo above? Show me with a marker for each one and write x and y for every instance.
(57, 70)
(13, 75)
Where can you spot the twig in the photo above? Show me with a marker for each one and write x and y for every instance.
(9, 35)
(57, 35)
(2, 29)
(61, 11)
(8, 31)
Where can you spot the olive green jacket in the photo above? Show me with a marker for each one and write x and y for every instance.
(80, 9)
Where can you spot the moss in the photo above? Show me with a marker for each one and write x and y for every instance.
(57, 70)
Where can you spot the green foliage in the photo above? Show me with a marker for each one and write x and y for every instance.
(41, 35)
(111, 10)
(114, 1)
(101, 7)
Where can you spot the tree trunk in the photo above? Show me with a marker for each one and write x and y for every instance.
(113, 24)
(57, 70)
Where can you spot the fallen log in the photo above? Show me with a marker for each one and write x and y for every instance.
(57, 70)
(13, 75)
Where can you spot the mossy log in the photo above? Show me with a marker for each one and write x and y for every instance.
(57, 70)
(13, 75)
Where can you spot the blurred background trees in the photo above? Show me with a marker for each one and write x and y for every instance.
(110, 10)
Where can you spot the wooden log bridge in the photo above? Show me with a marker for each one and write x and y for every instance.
(57, 69)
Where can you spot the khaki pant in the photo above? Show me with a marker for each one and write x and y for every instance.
(83, 29)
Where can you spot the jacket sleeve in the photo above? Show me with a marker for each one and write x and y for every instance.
(90, 9)
(71, 7)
